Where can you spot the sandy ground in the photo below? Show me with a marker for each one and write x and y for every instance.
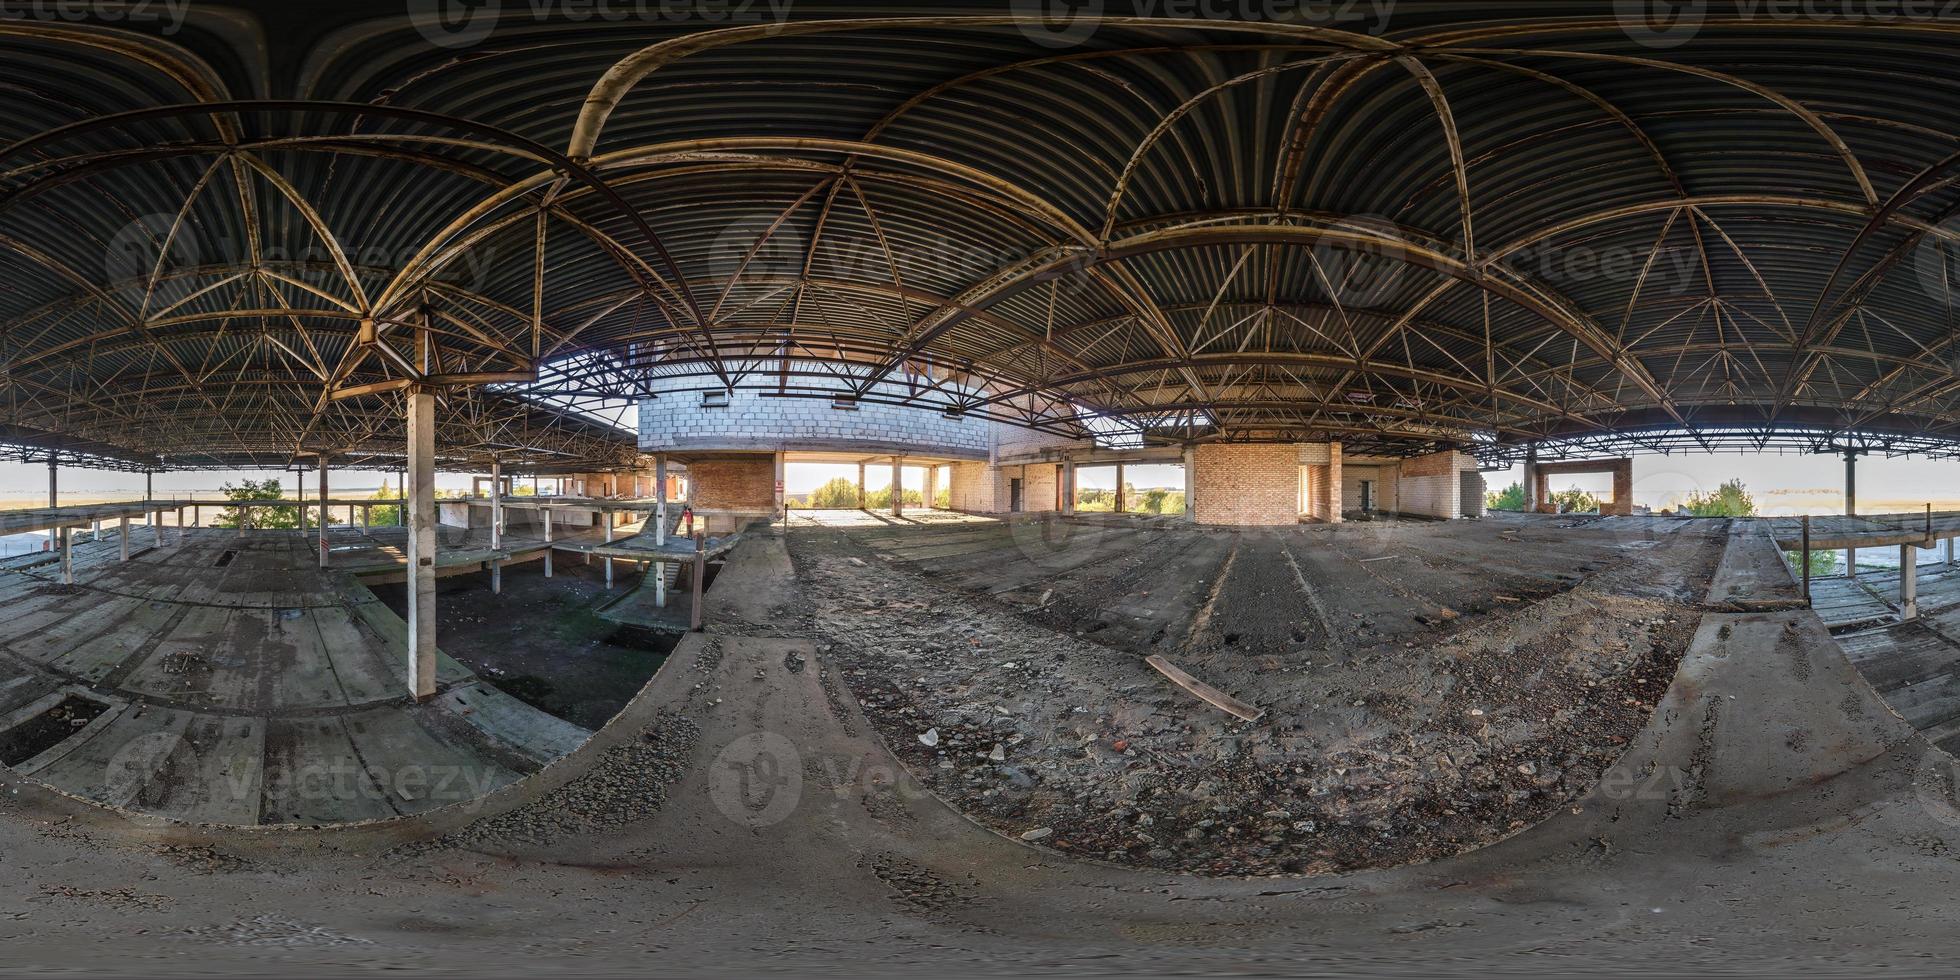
(742, 819)
(1415, 707)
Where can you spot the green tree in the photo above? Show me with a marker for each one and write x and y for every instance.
(1089, 499)
(1574, 501)
(385, 515)
(1509, 498)
(256, 517)
(944, 500)
(882, 499)
(1731, 499)
(838, 494)
(1822, 563)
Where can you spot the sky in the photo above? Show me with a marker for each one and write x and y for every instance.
(1782, 483)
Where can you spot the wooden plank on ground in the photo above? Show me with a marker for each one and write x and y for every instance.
(1205, 692)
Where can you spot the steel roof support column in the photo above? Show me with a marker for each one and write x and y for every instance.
(1850, 507)
(323, 510)
(54, 494)
(421, 590)
(496, 523)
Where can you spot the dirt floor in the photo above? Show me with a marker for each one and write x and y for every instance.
(1427, 688)
(542, 640)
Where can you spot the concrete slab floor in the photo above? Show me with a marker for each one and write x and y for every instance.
(1701, 848)
(237, 683)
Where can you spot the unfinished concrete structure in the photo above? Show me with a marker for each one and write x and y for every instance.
(1329, 273)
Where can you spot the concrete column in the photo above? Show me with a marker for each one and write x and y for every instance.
(156, 527)
(401, 500)
(607, 520)
(781, 498)
(54, 496)
(861, 491)
(1121, 504)
(1190, 484)
(1949, 551)
(125, 538)
(67, 537)
(545, 512)
(421, 584)
(1908, 583)
(1532, 496)
(660, 499)
(496, 523)
(1850, 509)
(1065, 486)
(932, 485)
(299, 480)
(323, 510)
(367, 518)
(898, 487)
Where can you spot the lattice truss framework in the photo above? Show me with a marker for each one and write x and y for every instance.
(1459, 231)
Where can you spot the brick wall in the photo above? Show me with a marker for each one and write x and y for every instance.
(977, 488)
(1385, 473)
(1042, 479)
(1428, 485)
(1247, 485)
(758, 420)
(1320, 481)
(747, 483)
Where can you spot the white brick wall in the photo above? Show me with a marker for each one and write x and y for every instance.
(677, 420)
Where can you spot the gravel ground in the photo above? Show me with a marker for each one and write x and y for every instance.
(1379, 746)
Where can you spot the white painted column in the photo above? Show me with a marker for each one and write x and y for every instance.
(54, 496)
(546, 512)
(1190, 483)
(782, 491)
(1949, 551)
(1851, 509)
(660, 499)
(323, 510)
(496, 523)
(606, 518)
(421, 583)
(299, 480)
(125, 538)
(660, 526)
(1908, 583)
(156, 526)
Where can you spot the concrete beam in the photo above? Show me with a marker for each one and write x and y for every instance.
(421, 584)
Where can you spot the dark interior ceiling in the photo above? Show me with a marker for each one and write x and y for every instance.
(238, 239)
